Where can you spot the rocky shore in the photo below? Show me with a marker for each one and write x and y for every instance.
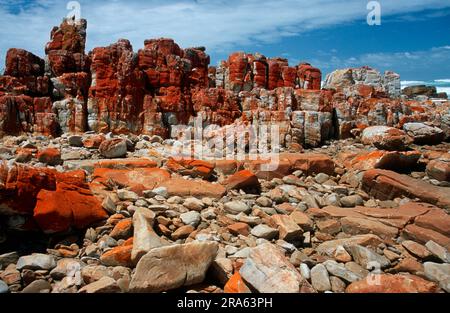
(92, 199)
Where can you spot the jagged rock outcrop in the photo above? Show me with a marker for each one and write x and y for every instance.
(115, 89)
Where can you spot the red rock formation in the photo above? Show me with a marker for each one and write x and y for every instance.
(117, 92)
(309, 77)
(162, 85)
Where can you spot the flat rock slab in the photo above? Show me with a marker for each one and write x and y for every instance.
(172, 267)
(193, 188)
(329, 247)
(387, 185)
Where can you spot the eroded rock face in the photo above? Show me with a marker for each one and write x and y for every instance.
(386, 138)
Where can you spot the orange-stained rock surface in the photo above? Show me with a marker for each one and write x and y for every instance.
(194, 168)
(242, 180)
(384, 185)
(236, 285)
(385, 283)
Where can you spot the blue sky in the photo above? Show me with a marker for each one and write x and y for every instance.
(413, 38)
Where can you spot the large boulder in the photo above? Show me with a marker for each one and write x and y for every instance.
(424, 134)
(386, 138)
(113, 148)
(67, 206)
(172, 267)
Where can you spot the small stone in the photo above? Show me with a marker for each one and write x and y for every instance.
(64, 267)
(222, 269)
(268, 271)
(183, 232)
(320, 279)
(8, 258)
(391, 255)
(50, 156)
(288, 229)
(264, 202)
(438, 251)
(352, 201)
(337, 284)
(11, 276)
(145, 238)
(113, 148)
(236, 207)
(355, 268)
(192, 218)
(341, 255)
(305, 271)
(38, 286)
(242, 253)
(302, 220)
(91, 235)
(321, 178)
(104, 285)
(123, 229)
(330, 227)
(175, 200)
(438, 273)
(156, 139)
(264, 231)
(340, 271)
(75, 141)
(332, 200)
(298, 257)
(3, 287)
(127, 195)
(36, 261)
(416, 249)
(239, 229)
(109, 205)
(193, 204)
(408, 265)
(367, 258)
(93, 273)
(161, 191)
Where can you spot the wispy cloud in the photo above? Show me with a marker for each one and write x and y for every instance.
(403, 62)
(220, 25)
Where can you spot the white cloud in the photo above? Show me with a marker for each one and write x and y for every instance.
(406, 62)
(217, 24)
